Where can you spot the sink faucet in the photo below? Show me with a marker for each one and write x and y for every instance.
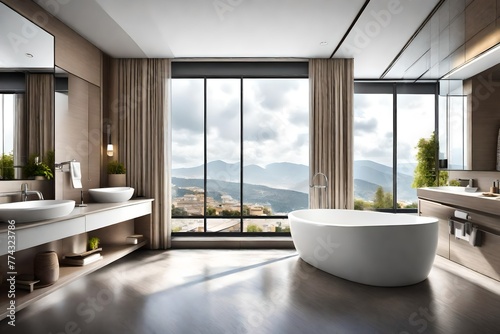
(25, 193)
(470, 182)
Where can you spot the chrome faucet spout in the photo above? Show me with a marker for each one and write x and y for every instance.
(323, 188)
(312, 185)
(25, 193)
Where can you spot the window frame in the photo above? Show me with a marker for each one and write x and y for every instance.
(395, 88)
(234, 70)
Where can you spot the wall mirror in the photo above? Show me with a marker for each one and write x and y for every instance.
(26, 94)
(469, 121)
(453, 123)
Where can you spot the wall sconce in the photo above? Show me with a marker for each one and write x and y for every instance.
(109, 147)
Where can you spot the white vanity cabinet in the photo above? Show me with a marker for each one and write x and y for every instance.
(110, 221)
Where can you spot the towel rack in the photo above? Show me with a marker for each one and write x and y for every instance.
(465, 230)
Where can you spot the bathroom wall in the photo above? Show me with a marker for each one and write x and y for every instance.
(78, 130)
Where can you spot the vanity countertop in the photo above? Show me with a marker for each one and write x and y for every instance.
(468, 201)
(77, 212)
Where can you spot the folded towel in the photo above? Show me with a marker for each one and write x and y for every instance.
(475, 237)
(75, 174)
(459, 230)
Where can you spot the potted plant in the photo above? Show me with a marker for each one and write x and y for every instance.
(116, 174)
(37, 169)
(93, 243)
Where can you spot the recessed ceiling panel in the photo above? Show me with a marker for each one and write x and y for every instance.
(94, 24)
(23, 45)
(236, 28)
(381, 32)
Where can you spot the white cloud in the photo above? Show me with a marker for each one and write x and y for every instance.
(276, 113)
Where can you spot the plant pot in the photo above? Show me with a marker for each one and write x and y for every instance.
(117, 180)
(46, 268)
(39, 177)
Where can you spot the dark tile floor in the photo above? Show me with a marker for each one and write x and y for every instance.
(257, 291)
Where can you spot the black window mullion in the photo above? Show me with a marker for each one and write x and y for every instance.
(205, 190)
(241, 155)
(394, 148)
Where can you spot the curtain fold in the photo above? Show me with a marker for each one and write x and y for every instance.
(40, 114)
(331, 127)
(141, 89)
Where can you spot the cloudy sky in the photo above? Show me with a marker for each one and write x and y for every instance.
(276, 126)
(276, 122)
(373, 126)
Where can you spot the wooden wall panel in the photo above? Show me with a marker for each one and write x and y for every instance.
(71, 133)
(95, 144)
(478, 15)
(73, 53)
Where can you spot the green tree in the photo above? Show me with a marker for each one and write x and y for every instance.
(382, 200)
(176, 212)
(253, 228)
(7, 167)
(211, 211)
(425, 172)
(231, 213)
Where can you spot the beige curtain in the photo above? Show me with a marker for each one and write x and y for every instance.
(140, 91)
(40, 114)
(331, 123)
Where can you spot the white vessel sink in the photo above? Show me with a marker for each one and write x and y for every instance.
(111, 194)
(30, 211)
(452, 189)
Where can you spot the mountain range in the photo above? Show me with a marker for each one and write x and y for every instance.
(289, 182)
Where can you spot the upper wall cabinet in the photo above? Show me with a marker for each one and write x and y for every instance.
(24, 45)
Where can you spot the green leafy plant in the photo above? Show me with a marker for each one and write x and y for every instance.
(35, 167)
(7, 167)
(426, 174)
(93, 243)
(116, 167)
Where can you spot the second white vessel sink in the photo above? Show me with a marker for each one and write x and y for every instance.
(30, 211)
(111, 194)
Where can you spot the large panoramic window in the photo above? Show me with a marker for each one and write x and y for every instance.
(389, 120)
(240, 152)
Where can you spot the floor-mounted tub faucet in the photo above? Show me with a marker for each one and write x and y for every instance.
(321, 187)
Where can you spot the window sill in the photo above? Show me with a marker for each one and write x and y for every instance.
(232, 242)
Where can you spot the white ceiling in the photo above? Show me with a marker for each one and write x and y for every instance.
(23, 44)
(249, 28)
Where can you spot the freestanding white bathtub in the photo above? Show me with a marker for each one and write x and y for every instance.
(374, 248)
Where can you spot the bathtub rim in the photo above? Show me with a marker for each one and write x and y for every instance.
(416, 220)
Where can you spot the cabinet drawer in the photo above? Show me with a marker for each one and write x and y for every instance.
(484, 259)
(34, 236)
(443, 213)
(118, 215)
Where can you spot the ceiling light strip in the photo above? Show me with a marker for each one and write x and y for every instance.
(473, 60)
(427, 19)
(350, 27)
